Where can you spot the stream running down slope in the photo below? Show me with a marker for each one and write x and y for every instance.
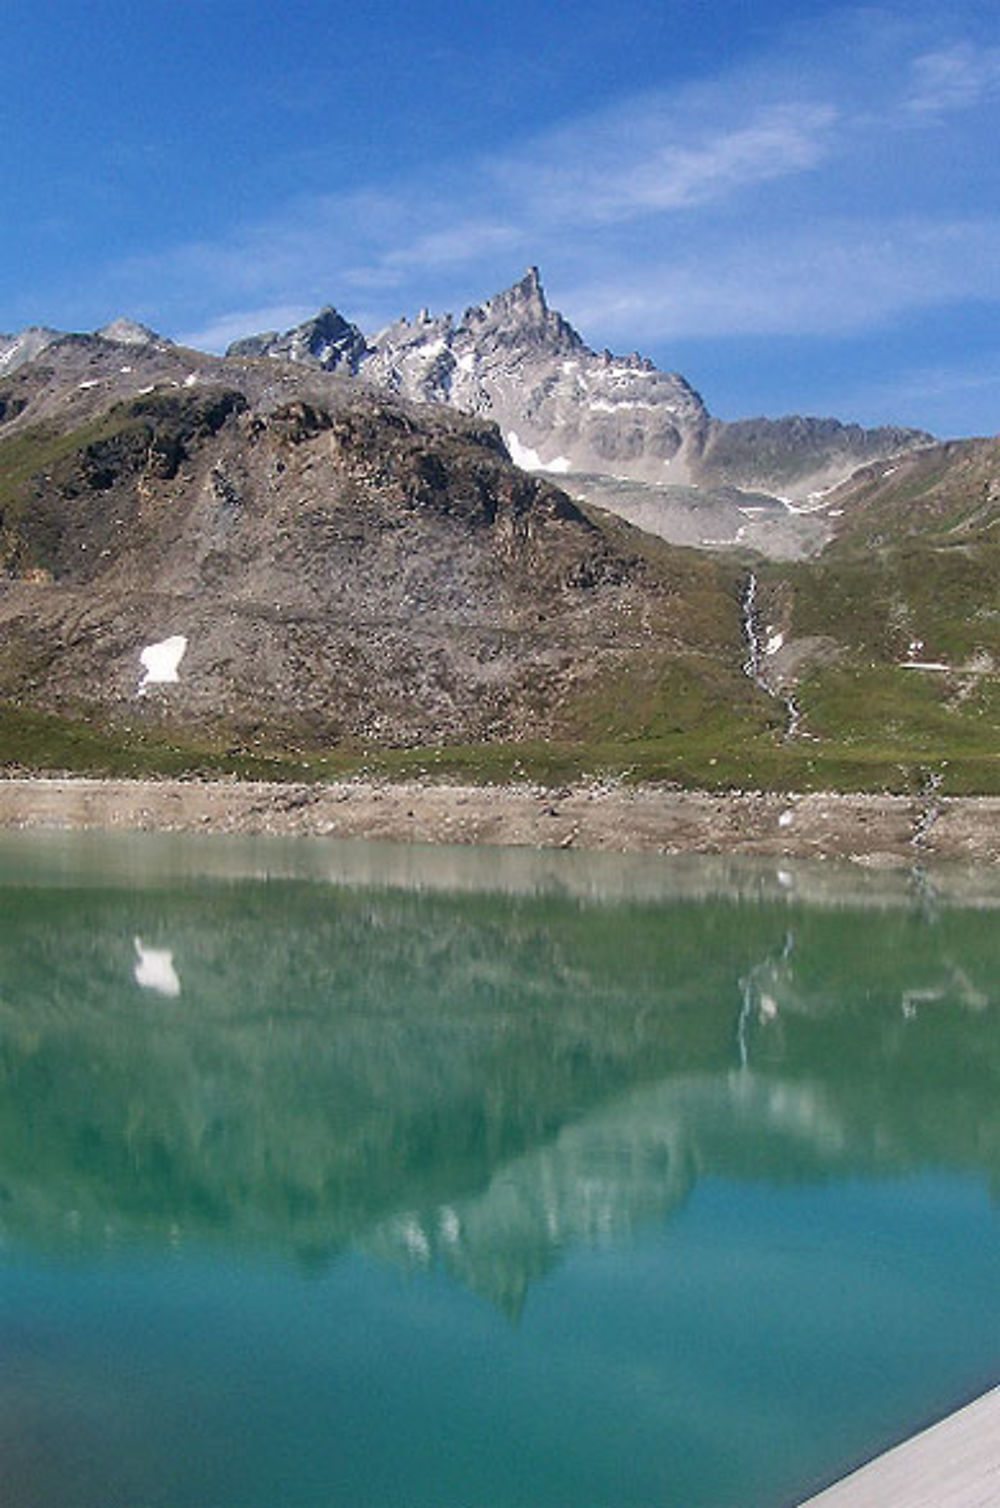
(755, 664)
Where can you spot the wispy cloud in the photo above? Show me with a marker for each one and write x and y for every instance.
(647, 158)
(456, 246)
(782, 197)
(953, 78)
(836, 279)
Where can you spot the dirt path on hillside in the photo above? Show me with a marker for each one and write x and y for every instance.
(871, 829)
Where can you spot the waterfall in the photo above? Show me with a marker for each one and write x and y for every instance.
(794, 716)
(754, 664)
(754, 659)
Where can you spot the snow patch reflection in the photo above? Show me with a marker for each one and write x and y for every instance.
(155, 970)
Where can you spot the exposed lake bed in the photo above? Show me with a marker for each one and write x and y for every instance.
(612, 816)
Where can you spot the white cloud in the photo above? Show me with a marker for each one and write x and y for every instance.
(457, 245)
(780, 197)
(953, 78)
(646, 158)
(837, 278)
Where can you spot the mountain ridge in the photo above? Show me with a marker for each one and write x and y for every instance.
(607, 424)
(619, 432)
(595, 412)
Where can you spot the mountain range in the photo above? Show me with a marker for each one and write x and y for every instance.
(316, 548)
(617, 431)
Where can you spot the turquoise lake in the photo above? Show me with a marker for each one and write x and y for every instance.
(388, 1177)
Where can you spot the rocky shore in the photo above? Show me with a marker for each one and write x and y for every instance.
(880, 830)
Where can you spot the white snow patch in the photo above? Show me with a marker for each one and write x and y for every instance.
(602, 406)
(190, 379)
(160, 661)
(774, 643)
(891, 471)
(93, 382)
(467, 363)
(570, 366)
(155, 970)
(815, 498)
(530, 460)
(125, 369)
(523, 455)
(433, 348)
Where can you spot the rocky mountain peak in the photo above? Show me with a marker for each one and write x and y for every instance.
(128, 332)
(17, 350)
(523, 301)
(520, 315)
(327, 340)
(615, 423)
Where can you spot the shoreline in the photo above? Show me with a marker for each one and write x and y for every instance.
(875, 830)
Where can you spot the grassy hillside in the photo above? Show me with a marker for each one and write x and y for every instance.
(903, 608)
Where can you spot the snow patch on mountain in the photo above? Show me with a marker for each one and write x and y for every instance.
(530, 460)
(161, 661)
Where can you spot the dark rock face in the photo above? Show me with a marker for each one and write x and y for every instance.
(777, 453)
(328, 341)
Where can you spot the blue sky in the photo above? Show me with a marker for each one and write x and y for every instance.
(795, 205)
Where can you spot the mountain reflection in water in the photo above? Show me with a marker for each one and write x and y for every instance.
(474, 1080)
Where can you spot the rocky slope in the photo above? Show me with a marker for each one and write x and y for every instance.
(635, 440)
(328, 562)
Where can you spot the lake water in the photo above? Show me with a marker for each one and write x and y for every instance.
(366, 1175)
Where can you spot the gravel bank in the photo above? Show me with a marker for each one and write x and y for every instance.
(869, 829)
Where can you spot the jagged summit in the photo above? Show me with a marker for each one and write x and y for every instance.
(521, 314)
(327, 340)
